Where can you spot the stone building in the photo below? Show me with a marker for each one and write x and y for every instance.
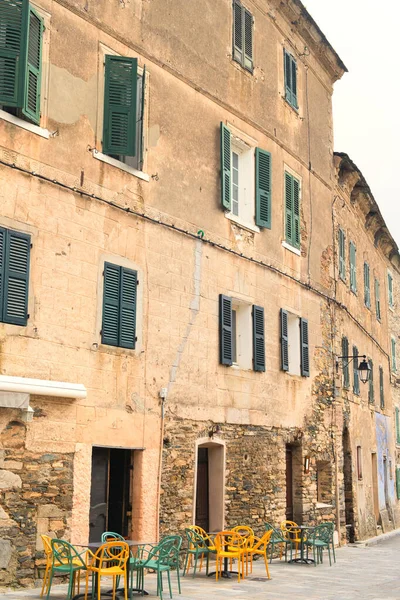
(169, 292)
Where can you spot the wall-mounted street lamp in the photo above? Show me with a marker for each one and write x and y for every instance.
(363, 368)
(215, 429)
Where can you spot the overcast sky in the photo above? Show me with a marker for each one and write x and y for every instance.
(366, 101)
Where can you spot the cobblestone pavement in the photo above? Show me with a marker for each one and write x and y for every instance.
(361, 572)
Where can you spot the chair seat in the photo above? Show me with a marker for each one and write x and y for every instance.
(230, 553)
(108, 571)
(157, 566)
(65, 568)
(317, 543)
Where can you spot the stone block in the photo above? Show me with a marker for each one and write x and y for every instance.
(49, 511)
(5, 553)
(9, 480)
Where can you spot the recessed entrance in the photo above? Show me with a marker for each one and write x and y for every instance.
(209, 496)
(289, 483)
(110, 502)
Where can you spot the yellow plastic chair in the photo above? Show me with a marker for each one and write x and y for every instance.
(208, 541)
(46, 539)
(291, 531)
(259, 546)
(231, 545)
(246, 532)
(109, 560)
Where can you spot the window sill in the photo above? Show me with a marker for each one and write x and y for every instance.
(323, 505)
(120, 165)
(291, 248)
(44, 133)
(238, 221)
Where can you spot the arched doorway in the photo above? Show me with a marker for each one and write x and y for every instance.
(209, 485)
(348, 486)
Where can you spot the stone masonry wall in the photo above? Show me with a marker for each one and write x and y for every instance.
(35, 498)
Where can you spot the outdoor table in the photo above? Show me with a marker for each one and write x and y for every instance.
(94, 546)
(226, 572)
(302, 558)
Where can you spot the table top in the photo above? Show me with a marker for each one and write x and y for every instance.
(129, 542)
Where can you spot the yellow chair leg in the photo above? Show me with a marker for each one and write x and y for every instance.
(266, 564)
(46, 573)
(201, 562)
(98, 586)
(126, 585)
(87, 584)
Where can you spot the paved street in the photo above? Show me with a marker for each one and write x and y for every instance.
(361, 572)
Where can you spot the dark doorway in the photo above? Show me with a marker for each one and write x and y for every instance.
(289, 483)
(110, 506)
(202, 498)
(348, 486)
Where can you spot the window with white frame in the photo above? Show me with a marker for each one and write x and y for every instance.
(242, 182)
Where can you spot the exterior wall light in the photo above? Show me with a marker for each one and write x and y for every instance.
(214, 429)
(306, 465)
(363, 368)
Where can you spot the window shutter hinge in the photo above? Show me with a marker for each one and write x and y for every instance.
(135, 339)
(31, 245)
(103, 274)
(101, 332)
(28, 315)
(137, 282)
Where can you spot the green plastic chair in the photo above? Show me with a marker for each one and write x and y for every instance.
(162, 559)
(278, 539)
(197, 548)
(319, 538)
(66, 561)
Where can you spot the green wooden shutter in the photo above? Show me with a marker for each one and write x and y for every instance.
(120, 97)
(394, 363)
(284, 340)
(127, 309)
(296, 212)
(226, 158)
(367, 292)
(353, 271)
(381, 390)
(288, 76)
(289, 226)
(258, 339)
(248, 41)
(390, 290)
(2, 268)
(345, 352)
(304, 347)
(377, 300)
(111, 304)
(225, 330)
(397, 425)
(342, 258)
(371, 383)
(398, 482)
(294, 82)
(141, 123)
(356, 379)
(16, 278)
(31, 107)
(13, 34)
(238, 50)
(263, 188)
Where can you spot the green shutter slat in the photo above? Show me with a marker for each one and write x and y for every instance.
(225, 330)
(111, 304)
(289, 227)
(263, 188)
(16, 278)
(258, 339)
(13, 34)
(238, 50)
(381, 391)
(390, 290)
(398, 482)
(288, 77)
(2, 269)
(356, 379)
(248, 41)
(371, 383)
(127, 312)
(120, 97)
(296, 212)
(377, 300)
(284, 340)
(304, 347)
(345, 352)
(353, 269)
(342, 259)
(294, 82)
(397, 425)
(31, 107)
(367, 292)
(226, 158)
(142, 119)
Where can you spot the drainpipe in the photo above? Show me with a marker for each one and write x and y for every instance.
(163, 396)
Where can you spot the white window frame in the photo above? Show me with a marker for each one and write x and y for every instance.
(294, 344)
(244, 334)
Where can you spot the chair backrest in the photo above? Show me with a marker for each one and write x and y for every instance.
(194, 539)
(166, 551)
(46, 539)
(323, 532)
(64, 552)
(244, 530)
(277, 535)
(110, 536)
(263, 541)
(231, 539)
(290, 529)
(111, 554)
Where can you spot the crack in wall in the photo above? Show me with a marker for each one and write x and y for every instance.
(194, 311)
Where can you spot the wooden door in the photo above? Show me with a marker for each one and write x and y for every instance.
(289, 484)
(202, 500)
(98, 521)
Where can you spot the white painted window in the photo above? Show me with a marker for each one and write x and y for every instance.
(243, 184)
(294, 344)
(242, 341)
